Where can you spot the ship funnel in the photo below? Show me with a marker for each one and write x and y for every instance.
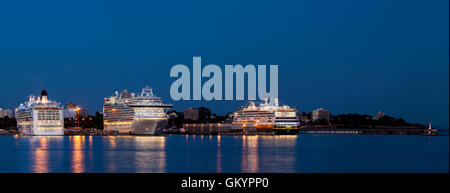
(266, 100)
(44, 93)
(44, 96)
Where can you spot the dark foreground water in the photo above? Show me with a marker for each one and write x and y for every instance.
(179, 154)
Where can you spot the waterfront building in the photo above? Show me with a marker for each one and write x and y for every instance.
(73, 111)
(6, 113)
(229, 117)
(321, 114)
(196, 114)
(128, 113)
(208, 128)
(380, 115)
(268, 116)
(40, 116)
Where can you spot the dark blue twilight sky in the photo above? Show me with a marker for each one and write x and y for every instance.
(346, 56)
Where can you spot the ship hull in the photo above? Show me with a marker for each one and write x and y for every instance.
(148, 126)
(31, 132)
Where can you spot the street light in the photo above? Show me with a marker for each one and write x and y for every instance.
(77, 114)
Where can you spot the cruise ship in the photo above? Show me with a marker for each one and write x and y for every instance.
(268, 116)
(40, 116)
(128, 113)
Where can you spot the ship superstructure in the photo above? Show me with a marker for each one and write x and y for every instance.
(269, 116)
(40, 116)
(128, 113)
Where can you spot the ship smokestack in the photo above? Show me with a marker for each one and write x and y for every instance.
(44, 96)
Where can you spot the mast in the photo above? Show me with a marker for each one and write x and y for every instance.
(147, 91)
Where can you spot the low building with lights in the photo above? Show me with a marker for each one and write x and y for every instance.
(321, 114)
(196, 114)
(40, 116)
(72, 111)
(6, 113)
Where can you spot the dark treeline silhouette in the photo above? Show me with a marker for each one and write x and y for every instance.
(363, 120)
(8, 123)
(176, 119)
(357, 119)
(90, 121)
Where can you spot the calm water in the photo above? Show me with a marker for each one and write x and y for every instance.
(305, 153)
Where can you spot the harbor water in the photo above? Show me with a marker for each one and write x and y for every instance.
(225, 154)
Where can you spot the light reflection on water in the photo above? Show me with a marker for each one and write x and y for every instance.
(250, 154)
(219, 155)
(41, 155)
(147, 154)
(77, 154)
(229, 154)
(150, 156)
(270, 151)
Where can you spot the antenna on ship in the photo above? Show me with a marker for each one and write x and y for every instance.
(31, 98)
(147, 91)
(274, 101)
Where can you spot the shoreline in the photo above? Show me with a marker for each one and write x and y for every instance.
(301, 132)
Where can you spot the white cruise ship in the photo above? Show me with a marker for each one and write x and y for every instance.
(126, 113)
(40, 116)
(268, 116)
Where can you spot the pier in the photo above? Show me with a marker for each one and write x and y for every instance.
(330, 132)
